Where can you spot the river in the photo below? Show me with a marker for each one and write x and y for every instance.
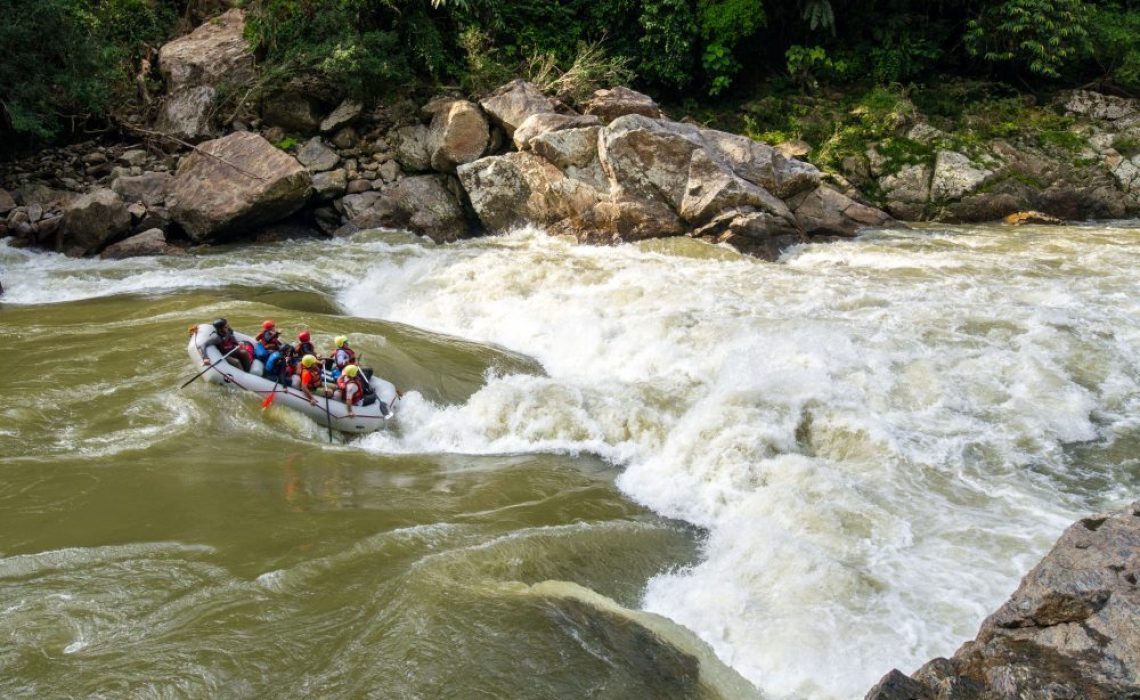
(810, 471)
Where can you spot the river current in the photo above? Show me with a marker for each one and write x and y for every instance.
(803, 473)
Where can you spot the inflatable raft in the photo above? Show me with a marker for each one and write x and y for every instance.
(369, 417)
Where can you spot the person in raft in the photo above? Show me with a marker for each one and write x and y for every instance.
(311, 378)
(282, 364)
(268, 341)
(351, 387)
(304, 345)
(342, 357)
(225, 340)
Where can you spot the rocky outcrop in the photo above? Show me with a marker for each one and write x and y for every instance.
(511, 104)
(1069, 631)
(422, 204)
(610, 104)
(640, 177)
(233, 184)
(149, 242)
(195, 67)
(92, 221)
(458, 134)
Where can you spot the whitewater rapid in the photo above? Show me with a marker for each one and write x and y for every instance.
(880, 437)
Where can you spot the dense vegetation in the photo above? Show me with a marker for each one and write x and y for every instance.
(67, 65)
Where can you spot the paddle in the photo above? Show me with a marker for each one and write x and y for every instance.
(328, 416)
(210, 367)
(272, 395)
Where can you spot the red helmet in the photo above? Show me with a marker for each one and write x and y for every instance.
(269, 324)
(303, 336)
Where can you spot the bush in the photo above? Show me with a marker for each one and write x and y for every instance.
(1043, 37)
(1115, 38)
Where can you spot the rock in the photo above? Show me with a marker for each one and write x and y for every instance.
(826, 212)
(458, 134)
(546, 122)
(316, 156)
(287, 230)
(954, 176)
(93, 220)
(7, 204)
(344, 114)
(897, 686)
(1069, 631)
(1030, 217)
(422, 204)
(149, 188)
(411, 147)
(575, 152)
(608, 105)
(713, 188)
(511, 104)
(136, 157)
(233, 184)
(907, 191)
(292, 111)
(95, 158)
(329, 185)
(274, 135)
(761, 164)
(389, 171)
(794, 148)
(355, 204)
(150, 242)
(195, 65)
(1097, 106)
(358, 186)
(755, 233)
(648, 158)
(346, 138)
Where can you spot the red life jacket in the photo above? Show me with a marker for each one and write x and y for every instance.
(229, 342)
(311, 377)
(270, 340)
(342, 383)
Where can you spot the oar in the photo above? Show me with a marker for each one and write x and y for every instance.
(210, 367)
(328, 416)
(272, 395)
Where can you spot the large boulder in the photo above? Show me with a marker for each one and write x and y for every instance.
(195, 66)
(546, 122)
(92, 221)
(422, 204)
(610, 104)
(955, 176)
(826, 212)
(1071, 630)
(229, 185)
(412, 151)
(511, 104)
(149, 242)
(458, 134)
(292, 110)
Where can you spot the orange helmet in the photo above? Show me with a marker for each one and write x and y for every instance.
(269, 324)
(304, 336)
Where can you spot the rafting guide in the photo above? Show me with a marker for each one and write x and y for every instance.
(353, 399)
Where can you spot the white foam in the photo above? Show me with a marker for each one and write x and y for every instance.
(855, 428)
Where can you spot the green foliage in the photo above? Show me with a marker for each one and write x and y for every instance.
(286, 143)
(724, 24)
(1128, 146)
(900, 53)
(819, 15)
(591, 69)
(63, 62)
(1044, 37)
(1115, 37)
(483, 69)
(808, 65)
(666, 46)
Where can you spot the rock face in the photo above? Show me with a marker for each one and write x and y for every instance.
(641, 177)
(149, 242)
(92, 221)
(195, 66)
(1069, 631)
(510, 105)
(422, 204)
(233, 184)
(620, 101)
(458, 134)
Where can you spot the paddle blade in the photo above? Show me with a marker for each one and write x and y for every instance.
(269, 399)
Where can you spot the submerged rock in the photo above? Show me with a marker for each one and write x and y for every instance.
(1071, 630)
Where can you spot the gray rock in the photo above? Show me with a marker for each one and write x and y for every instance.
(511, 104)
(150, 242)
(546, 122)
(411, 147)
(620, 101)
(1069, 631)
(149, 188)
(458, 134)
(955, 176)
(422, 204)
(316, 156)
(329, 185)
(389, 171)
(195, 65)
(7, 203)
(345, 138)
(234, 183)
(344, 114)
(826, 212)
(292, 111)
(358, 186)
(93, 220)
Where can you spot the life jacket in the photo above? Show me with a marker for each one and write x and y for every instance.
(229, 342)
(270, 339)
(342, 383)
(305, 349)
(311, 377)
(278, 363)
(344, 357)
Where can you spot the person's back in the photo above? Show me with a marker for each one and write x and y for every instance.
(351, 386)
(343, 355)
(227, 343)
(268, 340)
